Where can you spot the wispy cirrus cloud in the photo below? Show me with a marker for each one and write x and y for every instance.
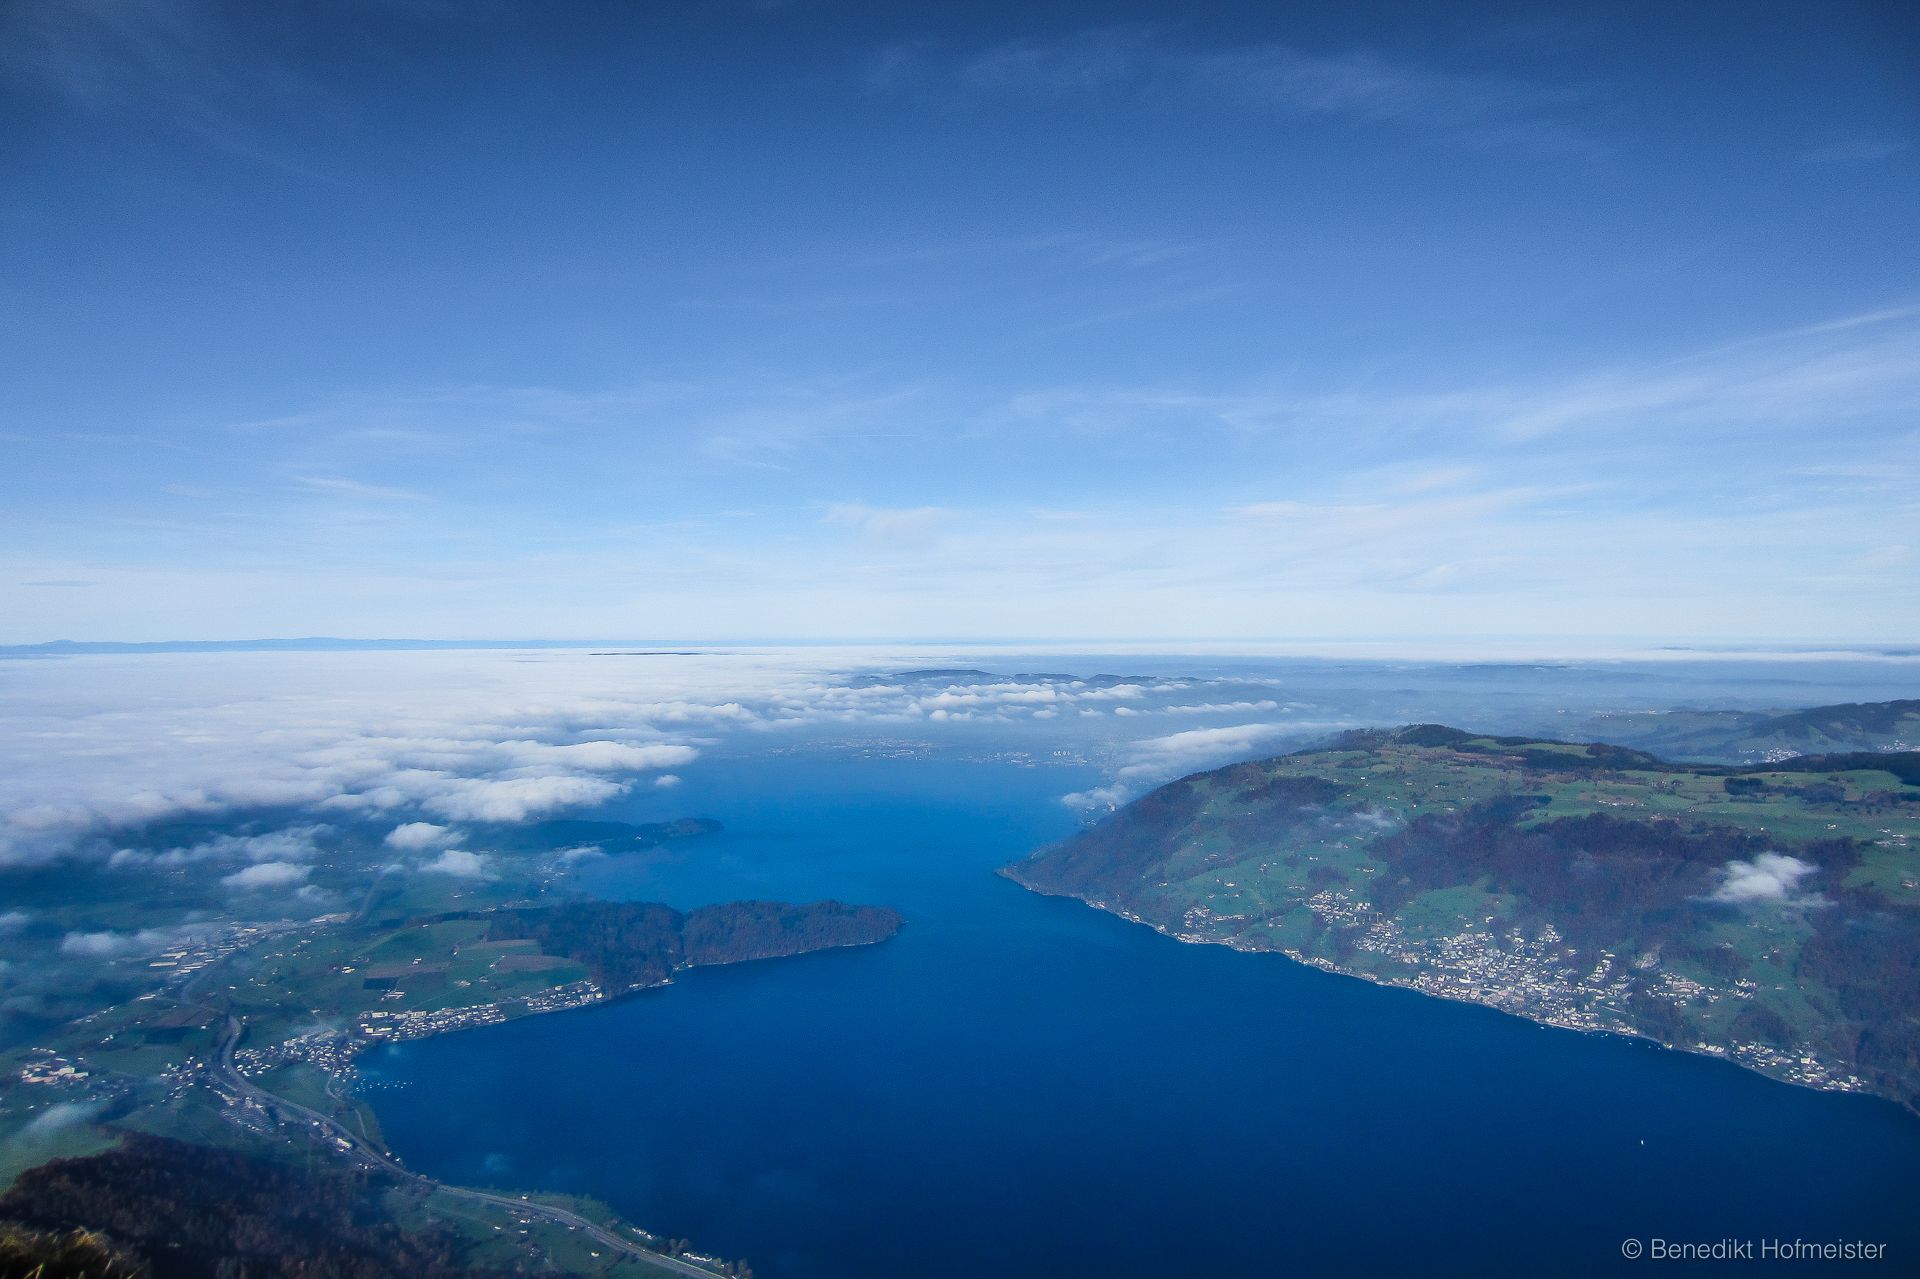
(1856, 150)
(204, 70)
(239, 79)
(1852, 365)
(1237, 507)
(334, 486)
(915, 525)
(1368, 86)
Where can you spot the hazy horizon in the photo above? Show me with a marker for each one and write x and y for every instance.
(1492, 650)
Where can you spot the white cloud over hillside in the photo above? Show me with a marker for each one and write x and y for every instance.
(1769, 877)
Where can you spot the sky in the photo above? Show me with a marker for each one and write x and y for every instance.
(726, 321)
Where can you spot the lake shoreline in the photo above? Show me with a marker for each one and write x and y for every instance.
(1849, 1086)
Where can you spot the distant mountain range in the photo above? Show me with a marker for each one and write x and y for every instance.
(1763, 735)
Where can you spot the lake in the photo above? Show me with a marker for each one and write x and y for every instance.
(1018, 1085)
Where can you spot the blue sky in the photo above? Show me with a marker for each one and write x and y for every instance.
(733, 320)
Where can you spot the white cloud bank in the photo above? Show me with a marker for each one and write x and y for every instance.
(96, 745)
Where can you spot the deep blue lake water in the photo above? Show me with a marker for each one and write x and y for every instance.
(1024, 1086)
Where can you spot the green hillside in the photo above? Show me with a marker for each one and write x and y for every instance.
(1767, 913)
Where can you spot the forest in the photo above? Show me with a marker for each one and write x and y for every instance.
(635, 944)
(154, 1208)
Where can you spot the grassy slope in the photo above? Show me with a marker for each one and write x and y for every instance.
(1287, 854)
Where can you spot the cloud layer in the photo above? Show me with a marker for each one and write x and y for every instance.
(93, 747)
(96, 747)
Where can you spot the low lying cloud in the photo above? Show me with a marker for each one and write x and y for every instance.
(1372, 821)
(100, 945)
(514, 799)
(108, 944)
(460, 864)
(262, 876)
(1154, 760)
(294, 843)
(608, 757)
(59, 1117)
(1200, 747)
(1770, 877)
(1031, 698)
(1098, 798)
(418, 836)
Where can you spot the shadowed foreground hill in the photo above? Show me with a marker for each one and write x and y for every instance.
(164, 1209)
(1767, 913)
